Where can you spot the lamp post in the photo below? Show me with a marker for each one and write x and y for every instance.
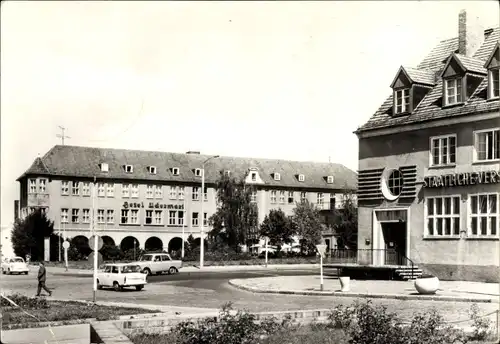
(202, 239)
(321, 249)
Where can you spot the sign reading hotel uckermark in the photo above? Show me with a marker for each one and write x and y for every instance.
(462, 179)
(152, 205)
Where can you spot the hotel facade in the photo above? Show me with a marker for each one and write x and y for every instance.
(429, 161)
(149, 199)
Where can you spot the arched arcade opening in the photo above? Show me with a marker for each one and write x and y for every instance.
(153, 244)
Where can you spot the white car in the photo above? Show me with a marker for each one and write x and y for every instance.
(15, 265)
(119, 276)
(156, 263)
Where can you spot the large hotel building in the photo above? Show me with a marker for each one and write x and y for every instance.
(149, 199)
(429, 161)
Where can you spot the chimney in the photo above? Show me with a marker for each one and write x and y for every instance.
(193, 152)
(470, 33)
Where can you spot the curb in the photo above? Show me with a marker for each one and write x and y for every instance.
(360, 295)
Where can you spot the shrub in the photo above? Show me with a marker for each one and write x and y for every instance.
(481, 325)
(24, 302)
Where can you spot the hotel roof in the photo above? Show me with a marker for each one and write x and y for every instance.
(430, 107)
(84, 162)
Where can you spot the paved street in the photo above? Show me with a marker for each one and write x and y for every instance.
(211, 290)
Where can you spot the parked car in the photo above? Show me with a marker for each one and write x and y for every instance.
(157, 263)
(119, 276)
(15, 265)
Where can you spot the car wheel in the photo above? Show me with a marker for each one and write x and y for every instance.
(9, 272)
(139, 287)
(147, 271)
(117, 287)
(172, 270)
(99, 286)
(26, 272)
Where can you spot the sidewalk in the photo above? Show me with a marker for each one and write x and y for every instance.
(458, 291)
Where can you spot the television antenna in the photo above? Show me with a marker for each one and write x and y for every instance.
(62, 136)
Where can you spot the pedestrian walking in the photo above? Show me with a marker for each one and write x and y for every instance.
(42, 277)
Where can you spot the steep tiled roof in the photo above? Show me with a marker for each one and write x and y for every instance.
(75, 161)
(38, 167)
(472, 64)
(421, 76)
(430, 107)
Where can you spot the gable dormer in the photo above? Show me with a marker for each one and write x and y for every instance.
(128, 168)
(493, 67)
(277, 176)
(253, 176)
(301, 177)
(409, 88)
(461, 76)
(104, 167)
(175, 171)
(197, 172)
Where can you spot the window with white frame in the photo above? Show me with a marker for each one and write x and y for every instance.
(32, 184)
(134, 191)
(320, 198)
(196, 193)
(282, 197)
(253, 196)
(453, 91)
(75, 189)
(110, 190)
(42, 185)
(273, 196)
(483, 214)
(158, 217)
(254, 176)
(175, 171)
(149, 217)
(494, 87)
(443, 150)
(158, 191)
(443, 216)
(180, 218)
(128, 168)
(64, 215)
(290, 197)
(402, 98)
(74, 215)
(194, 219)
(152, 169)
(64, 187)
(110, 216)
(86, 188)
(134, 216)
(125, 214)
(126, 190)
(100, 215)
(172, 217)
(149, 191)
(277, 176)
(173, 192)
(181, 192)
(101, 190)
(197, 172)
(86, 216)
(205, 219)
(303, 197)
(302, 177)
(487, 145)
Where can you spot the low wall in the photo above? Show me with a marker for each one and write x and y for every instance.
(474, 273)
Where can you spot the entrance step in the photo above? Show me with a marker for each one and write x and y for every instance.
(406, 273)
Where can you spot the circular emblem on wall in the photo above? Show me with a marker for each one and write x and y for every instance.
(391, 184)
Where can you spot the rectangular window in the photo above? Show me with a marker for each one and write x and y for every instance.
(205, 194)
(487, 145)
(205, 219)
(134, 216)
(126, 190)
(86, 216)
(158, 191)
(402, 100)
(158, 217)
(196, 193)
(494, 83)
(290, 197)
(180, 218)
(303, 197)
(483, 213)
(181, 192)
(64, 187)
(443, 216)
(64, 215)
(282, 197)
(172, 217)
(253, 196)
(101, 190)
(173, 192)
(42, 186)
(86, 188)
(453, 91)
(32, 183)
(273, 197)
(110, 190)
(149, 191)
(443, 150)
(110, 216)
(75, 189)
(74, 215)
(134, 191)
(125, 216)
(320, 198)
(149, 217)
(100, 215)
(254, 176)
(195, 219)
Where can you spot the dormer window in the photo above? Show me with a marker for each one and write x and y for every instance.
(402, 100)
(277, 176)
(197, 172)
(494, 83)
(175, 171)
(253, 175)
(129, 168)
(329, 179)
(104, 167)
(453, 91)
(152, 169)
(302, 177)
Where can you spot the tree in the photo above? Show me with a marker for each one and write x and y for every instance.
(307, 222)
(346, 222)
(236, 220)
(28, 235)
(278, 228)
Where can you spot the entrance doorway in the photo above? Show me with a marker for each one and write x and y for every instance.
(394, 242)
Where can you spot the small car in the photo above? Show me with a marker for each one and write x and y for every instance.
(157, 263)
(15, 265)
(119, 276)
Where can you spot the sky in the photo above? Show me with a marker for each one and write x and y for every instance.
(288, 80)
